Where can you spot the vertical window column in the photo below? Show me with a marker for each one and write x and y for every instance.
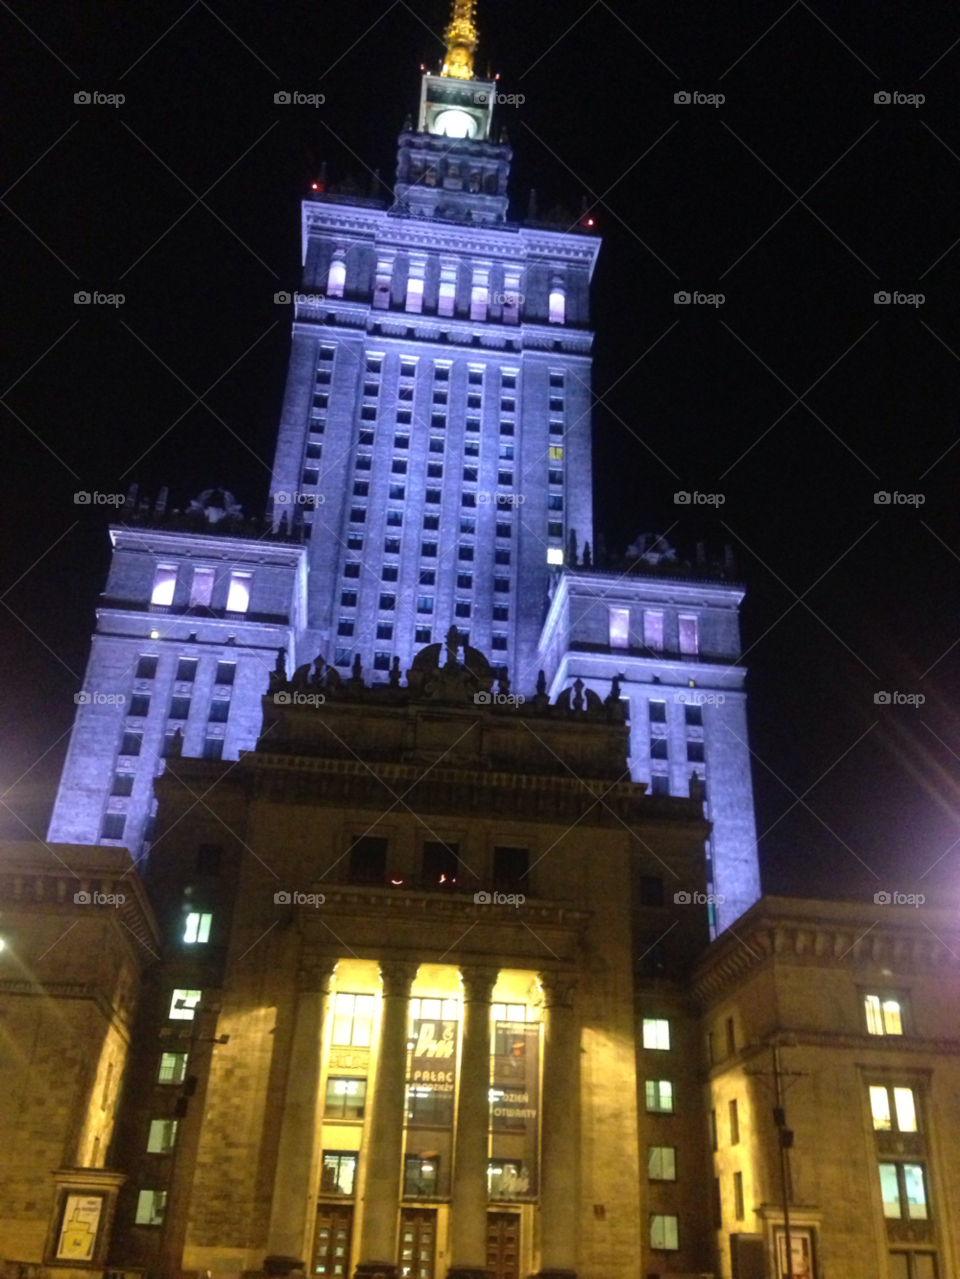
(383, 281)
(378, 1226)
(294, 1195)
(415, 279)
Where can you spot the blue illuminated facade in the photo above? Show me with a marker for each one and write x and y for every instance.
(432, 469)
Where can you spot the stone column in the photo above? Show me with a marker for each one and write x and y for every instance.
(560, 1131)
(294, 1205)
(468, 1216)
(381, 1194)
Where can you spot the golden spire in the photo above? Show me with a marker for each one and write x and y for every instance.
(461, 37)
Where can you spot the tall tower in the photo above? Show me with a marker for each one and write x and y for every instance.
(436, 425)
(432, 469)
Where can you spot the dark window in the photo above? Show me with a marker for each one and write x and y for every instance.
(388, 602)
(368, 413)
(389, 573)
(208, 859)
(113, 824)
(366, 437)
(465, 553)
(436, 445)
(131, 743)
(226, 671)
(314, 452)
(731, 1036)
(556, 428)
(475, 377)
(311, 476)
(140, 704)
(381, 661)
(346, 1098)
(510, 867)
(399, 466)
(432, 497)
(651, 890)
(364, 462)
(179, 707)
(219, 710)
(442, 373)
(342, 657)
(428, 550)
(695, 752)
(394, 519)
(345, 626)
(556, 380)
(361, 488)
(213, 748)
(187, 668)
(658, 748)
(397, 492)
(462, 608)
(464, 581)
(554, 530)
(431, 522)
(504, 530)
(693, 715)
(734, 1122)
(505, 478)
(354, 541)
(658, 712)
(554, 502)
(348, 599)
(437, 421)
(468, 524)
(368, 860)
(440, 864)
(374, 363)
(506, 428)
(470, 474)
(659, 784)
(501, 613)
(468, 499)
(422, 635)
(471, 448)
(401, 441)
(555, 477)
(122, 784)
(428, 577)
(424, 603)
(351, 570)
(499, 642)
(501, 557)
(556, 405)
(147, 668)
(501, 585)
(435, 470)
(404, 417)
(391, 546)
(384, 631)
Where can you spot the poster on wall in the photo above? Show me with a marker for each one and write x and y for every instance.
(801, 1249)
(432, 1072)
(78, 1231)
(514, 1110)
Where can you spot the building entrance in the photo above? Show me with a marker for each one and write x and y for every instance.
(331, 1251)
(418, 1243)
(503, 1245)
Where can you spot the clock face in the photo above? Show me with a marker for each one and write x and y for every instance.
(454, 124)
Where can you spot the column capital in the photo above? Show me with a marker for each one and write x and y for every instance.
(558, 988)
(478, 981)
(397, 976)
(315, 972)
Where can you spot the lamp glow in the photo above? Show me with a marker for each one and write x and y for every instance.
(455, 124)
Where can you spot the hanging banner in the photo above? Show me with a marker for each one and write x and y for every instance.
(514, 1110)
(432, 1073)
(78, 1231)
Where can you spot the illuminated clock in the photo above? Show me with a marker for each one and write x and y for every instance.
(454, 124)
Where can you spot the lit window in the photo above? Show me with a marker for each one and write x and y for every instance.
(661, 1163)
(183, 1004)
(663, 1232)
(173, 1068)
(653, 630)
(352, 1020)
(656, 1033)
(904, 1109)
(336, 277)
(619, 627)
(556, 452)
(346, 1098)
(448, 290)
(415, 292)
(903, 1191)
(162, 1136)
(151, 1207)
(689, 637)
(659, 1096)
(554, 555)
(198, 928)
(884, 1015)
(238, 597)
(164, 580)
(201, 588)
(557, 306)
(479, 296)
(339, 1172)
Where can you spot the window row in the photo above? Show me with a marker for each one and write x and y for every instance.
(622, 633)
(235, 595)
(218, 710)
(186, 669)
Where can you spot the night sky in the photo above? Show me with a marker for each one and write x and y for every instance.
(798, 198)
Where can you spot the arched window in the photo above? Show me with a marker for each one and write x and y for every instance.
(336, 277)
(558, 305)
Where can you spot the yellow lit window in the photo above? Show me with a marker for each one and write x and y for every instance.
(556, 453)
